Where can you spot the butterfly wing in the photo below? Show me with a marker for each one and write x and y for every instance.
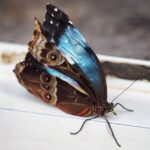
(51, 86)
(68, 40)
(46, 53)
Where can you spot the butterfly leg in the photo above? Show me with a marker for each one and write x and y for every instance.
(112, 131)
(74, 133)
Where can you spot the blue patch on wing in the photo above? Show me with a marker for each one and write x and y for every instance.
(75, 48)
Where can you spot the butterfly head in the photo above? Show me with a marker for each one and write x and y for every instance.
(110, 107)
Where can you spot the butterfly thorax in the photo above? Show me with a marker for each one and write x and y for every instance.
(101, 109)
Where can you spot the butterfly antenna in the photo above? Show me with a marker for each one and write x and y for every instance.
(124, 91)
(74, 133)
(112, 131)
(118, 104)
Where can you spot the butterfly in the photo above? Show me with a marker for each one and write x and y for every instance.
(63, 70)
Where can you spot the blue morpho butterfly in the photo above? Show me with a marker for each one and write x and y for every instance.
(63, 70)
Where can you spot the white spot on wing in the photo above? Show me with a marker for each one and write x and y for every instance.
(51, 22)
(52, 15)
(52, 40)
(55, 9)
(70, 22)
(57, 24)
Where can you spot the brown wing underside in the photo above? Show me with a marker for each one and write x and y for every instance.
(52, 89)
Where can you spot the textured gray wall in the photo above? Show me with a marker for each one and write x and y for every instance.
(112, 27)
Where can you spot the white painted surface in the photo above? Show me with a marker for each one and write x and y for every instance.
(28, 123)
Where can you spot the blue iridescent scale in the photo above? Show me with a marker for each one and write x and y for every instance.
(74, 47)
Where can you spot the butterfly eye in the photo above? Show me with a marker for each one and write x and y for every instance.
(54, 58)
